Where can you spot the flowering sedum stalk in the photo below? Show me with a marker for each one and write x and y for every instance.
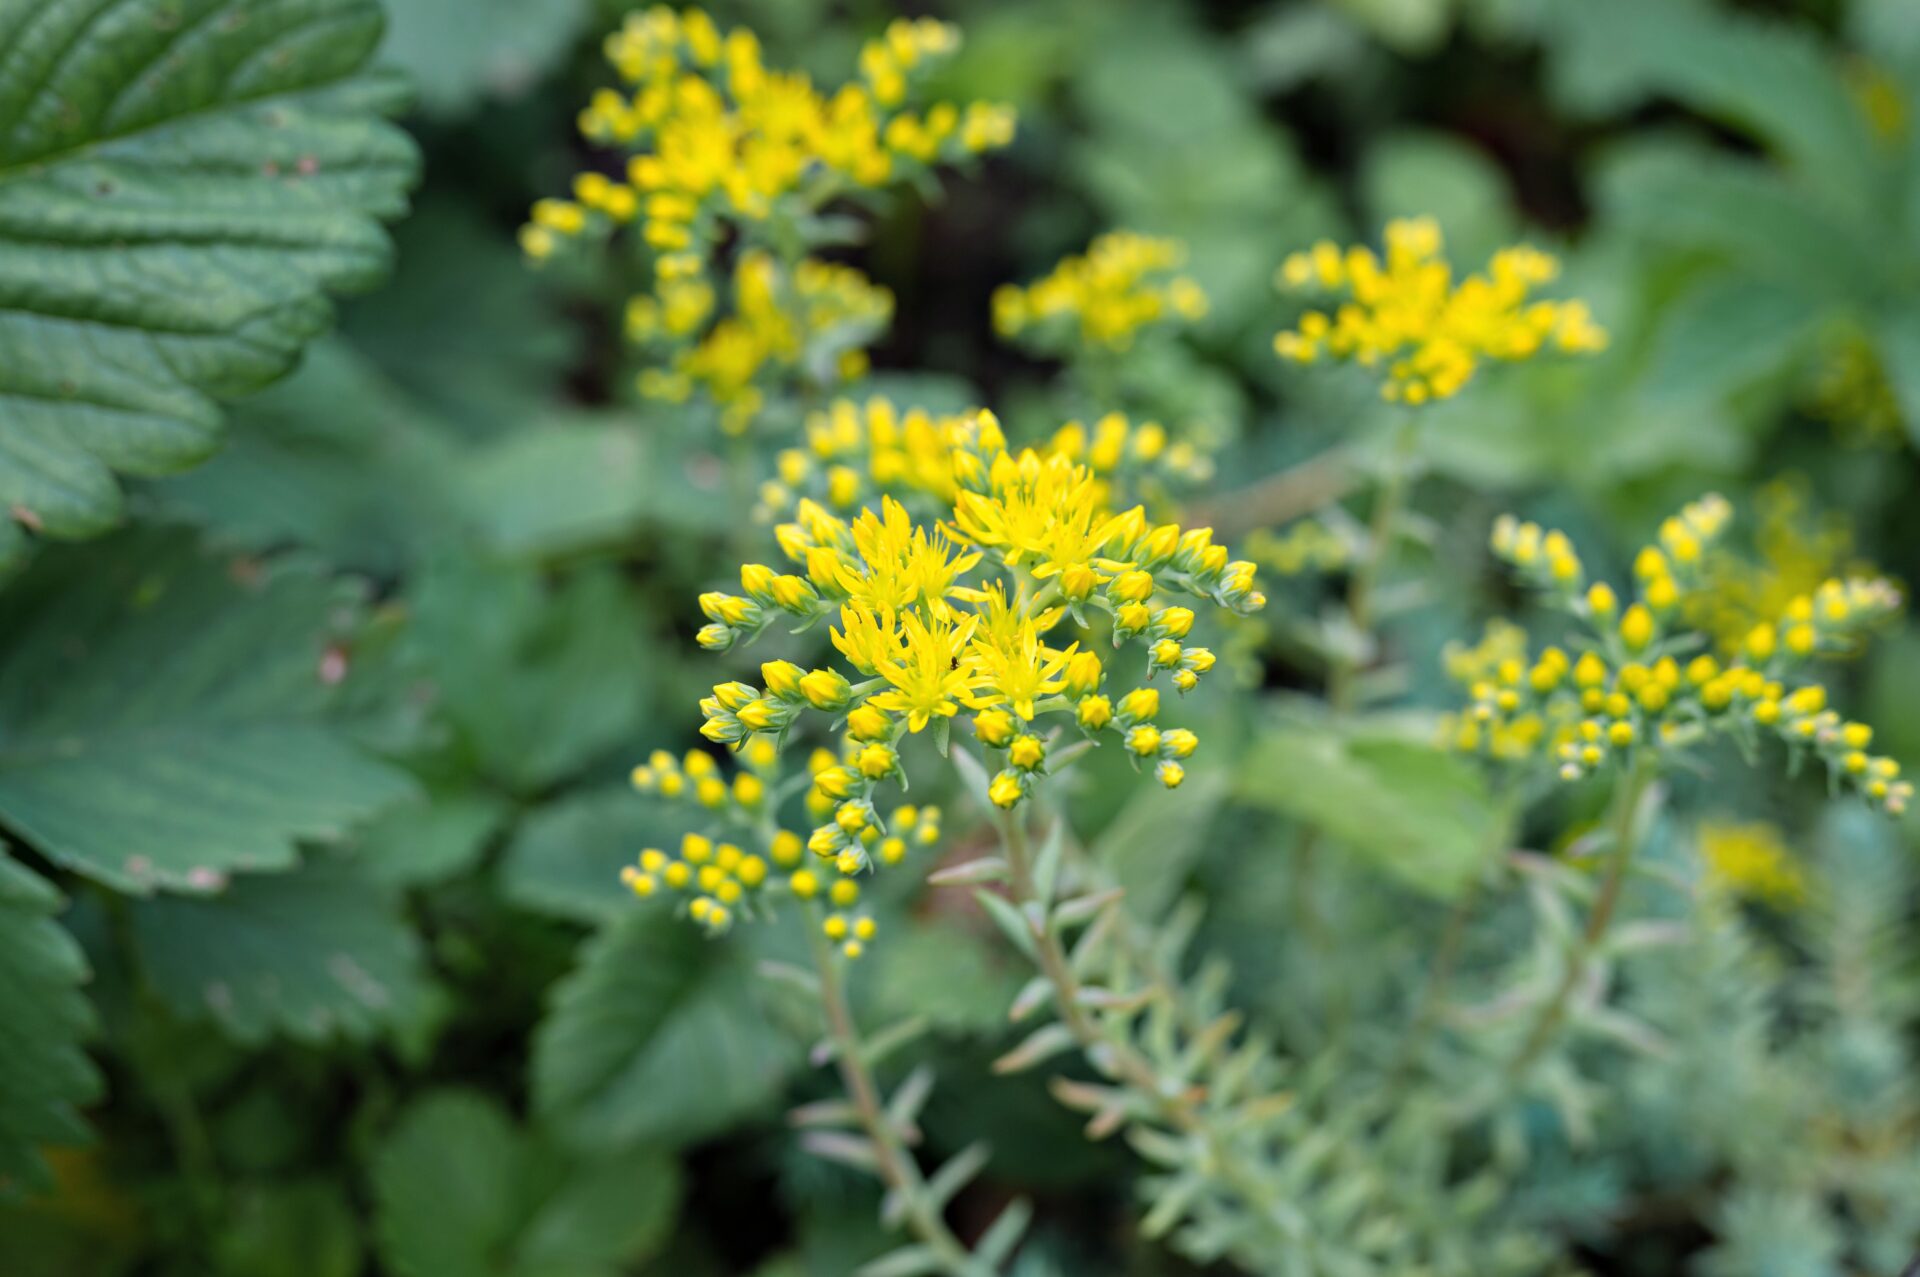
(1124, 283)
(934, 618)
(728, 167)
(855, 452)
(1636, 678)
(1407, 313)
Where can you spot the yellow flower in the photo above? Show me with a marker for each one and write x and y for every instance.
(925, 669)
(1041, 510)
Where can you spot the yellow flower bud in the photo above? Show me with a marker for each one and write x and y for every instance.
(1144, 740)
(1005, 790)
(1636, 627)
(1140, 705)
(825, 689)
(757, 580)
(866, 723)
(1027, 752)
(1083, 675)
(782, 679)
(786, 847)
(1132, 586)
(877, 761)
(1179, 742)
(994, 727)
(1600, 599)
(1094, 713)
(1077, 581)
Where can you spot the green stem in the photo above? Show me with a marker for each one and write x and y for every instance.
(1172, 1100)
(1387, 509)
(896, 1166)
(1626, 803)
(1343, 676)
(1433, 992)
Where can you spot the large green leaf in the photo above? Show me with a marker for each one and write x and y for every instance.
(182, 183)
(332, 459)
(312, 954)
(464, 328)
(43, 1018)
(1724, 332)
(1775, 80)
(540, 679)
(424, 842)
(162, 713)
(1741, 210)
(565, 859)
(561, 489)
(1418, 813)
(655, 1037)
(461, 1192)
(461, 52)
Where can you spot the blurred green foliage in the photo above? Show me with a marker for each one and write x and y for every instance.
(312, 755)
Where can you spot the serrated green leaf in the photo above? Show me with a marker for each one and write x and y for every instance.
(1775, 80)
(182, 183)
(540, 678)
(558, 490)
(1738, 209)
(163, 713)
(44, 1073)
(412, 843)
(461, 1192)
(329, 459)
(1420, 814)
(654, 1038)
(312, 954)
(1724, 332)
(565, 858)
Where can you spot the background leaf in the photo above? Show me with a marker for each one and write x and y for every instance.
(163, 722)
(312, 954)
(654, 1038)
(44, 1074)
(1413, 811)
(182, 183)
(462, 1193)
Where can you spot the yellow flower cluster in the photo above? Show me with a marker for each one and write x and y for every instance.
(1430, 334)
(855, 452)
(726, 156)
(717, 881)
(1750, 860)
(1640, 680)
(1124, 282)
(814, 319)
(714, 134)
(936, 617)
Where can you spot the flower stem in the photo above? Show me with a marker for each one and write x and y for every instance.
(894, 1164)
(1172, 1100)
(1626, 802)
